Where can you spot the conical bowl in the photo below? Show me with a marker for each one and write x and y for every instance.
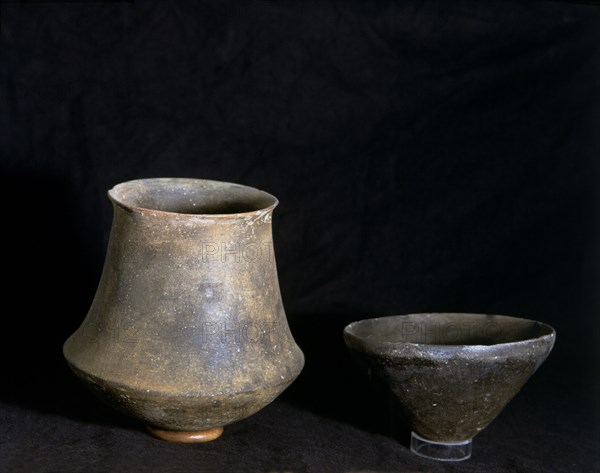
(453, 373)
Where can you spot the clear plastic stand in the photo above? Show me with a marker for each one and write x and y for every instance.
(450, 452)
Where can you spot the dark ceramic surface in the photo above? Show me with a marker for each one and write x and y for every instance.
(452, 373)
(187, 330)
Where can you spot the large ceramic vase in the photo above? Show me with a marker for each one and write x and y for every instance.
(187, 331)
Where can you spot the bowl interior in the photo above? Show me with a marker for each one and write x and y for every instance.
(447, 329)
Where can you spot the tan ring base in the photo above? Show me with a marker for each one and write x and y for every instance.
(186, 437)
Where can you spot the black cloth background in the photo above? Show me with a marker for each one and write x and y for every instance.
(428, 156)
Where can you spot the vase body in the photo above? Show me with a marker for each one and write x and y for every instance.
(187, 330)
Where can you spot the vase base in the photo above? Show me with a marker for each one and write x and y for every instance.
(180, 436)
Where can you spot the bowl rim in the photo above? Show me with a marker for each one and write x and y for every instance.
(550, 335)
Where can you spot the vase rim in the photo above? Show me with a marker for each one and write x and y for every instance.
(192, 198)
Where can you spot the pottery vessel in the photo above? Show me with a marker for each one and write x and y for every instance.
(452, 373)
(187, 331)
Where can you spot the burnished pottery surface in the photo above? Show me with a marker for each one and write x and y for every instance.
(187, 331)
(452, 373)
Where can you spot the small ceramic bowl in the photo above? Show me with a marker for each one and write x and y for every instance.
(453, 373)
